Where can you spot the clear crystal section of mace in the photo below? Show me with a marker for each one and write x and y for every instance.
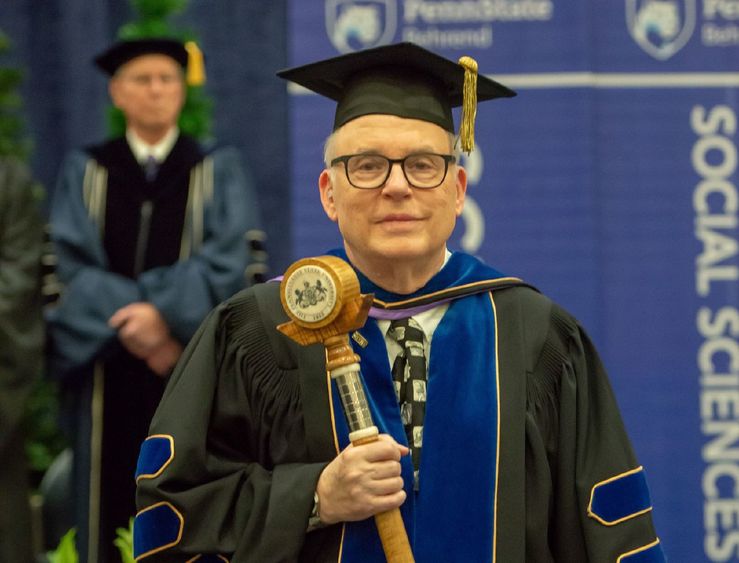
(351, 391)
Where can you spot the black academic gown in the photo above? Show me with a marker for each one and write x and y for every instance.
(177, 242)
(246, 426)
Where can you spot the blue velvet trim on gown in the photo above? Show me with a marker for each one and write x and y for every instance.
(156, 528)
(452, 516)
(155, 453)
(621, 498)
(460, 269)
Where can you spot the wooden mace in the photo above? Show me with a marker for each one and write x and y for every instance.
(321, 296)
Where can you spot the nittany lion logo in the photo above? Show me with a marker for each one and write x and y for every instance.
(661, 27)
(353, 25)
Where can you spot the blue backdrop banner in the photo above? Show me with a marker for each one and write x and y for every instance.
(610, 184)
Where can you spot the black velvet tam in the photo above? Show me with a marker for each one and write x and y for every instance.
(120, 53)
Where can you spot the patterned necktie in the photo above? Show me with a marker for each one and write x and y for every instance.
(409, 377)
(151, 167)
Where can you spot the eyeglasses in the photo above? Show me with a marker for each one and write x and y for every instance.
(145, 80)
(371, 171)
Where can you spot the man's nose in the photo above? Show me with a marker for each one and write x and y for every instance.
(156, 83)
(396, 183)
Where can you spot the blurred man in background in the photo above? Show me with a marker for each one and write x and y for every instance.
(149, 230)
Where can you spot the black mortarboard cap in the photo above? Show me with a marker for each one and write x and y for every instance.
(123, 51)
(401, 79)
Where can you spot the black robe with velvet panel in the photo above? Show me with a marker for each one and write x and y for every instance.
(247, 424)
(142, 230)
(177, 242)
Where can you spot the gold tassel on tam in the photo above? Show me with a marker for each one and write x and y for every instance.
(195, 64)
(469, 104)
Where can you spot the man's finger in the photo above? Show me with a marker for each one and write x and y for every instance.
(119, 318)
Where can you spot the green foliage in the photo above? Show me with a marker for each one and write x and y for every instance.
(124, 542)
(12, 139)
(116, 122)
(153, 21)
(158, 8)
(66, 552)
(43, 439)
(197, 114)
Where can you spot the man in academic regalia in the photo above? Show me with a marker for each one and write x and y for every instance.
(501, 439)
(150, 233)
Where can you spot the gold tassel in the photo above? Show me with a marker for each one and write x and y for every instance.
(195, 64)
(469, 104)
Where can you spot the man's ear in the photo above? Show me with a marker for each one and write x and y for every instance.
(461, 190)
(114, 92)
(326, 191)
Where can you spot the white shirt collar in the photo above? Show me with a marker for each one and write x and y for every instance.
(160, 151)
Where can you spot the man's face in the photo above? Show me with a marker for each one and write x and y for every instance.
(150, 91)
(395, 221)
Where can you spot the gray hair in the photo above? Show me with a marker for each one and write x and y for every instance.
(327, 146)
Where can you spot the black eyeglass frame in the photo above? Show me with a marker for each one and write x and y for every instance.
(448, 158)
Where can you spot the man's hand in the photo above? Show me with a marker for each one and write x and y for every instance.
(144, 333)
(164, 358)
(362, 481)
(141, 328)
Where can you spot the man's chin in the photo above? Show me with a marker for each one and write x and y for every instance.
(404, 250)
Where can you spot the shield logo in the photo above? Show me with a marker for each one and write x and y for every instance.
(353, 25)
(661, 27)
